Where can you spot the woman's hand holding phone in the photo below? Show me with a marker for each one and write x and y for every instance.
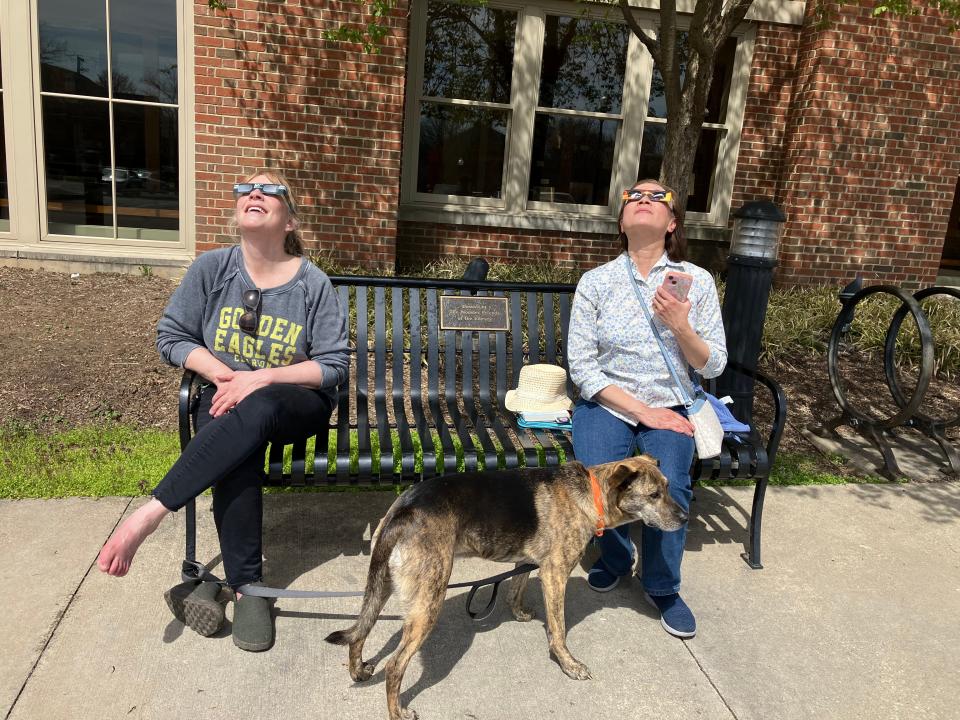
(670, 301)
(677, 284)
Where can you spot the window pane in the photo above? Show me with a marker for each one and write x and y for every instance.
(461, 150)
(76, 146)
(572, 159)
(147, 172)
(469, 52)
(704, 163)
(144, 47)
(583, 64)
(703, 166)
(73, 46)
(651, 150)
(716, 109)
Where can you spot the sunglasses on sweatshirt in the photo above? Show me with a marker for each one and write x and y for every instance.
(250, 320)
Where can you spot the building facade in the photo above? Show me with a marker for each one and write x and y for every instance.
(505, 130)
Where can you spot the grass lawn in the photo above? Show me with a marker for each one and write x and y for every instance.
(117, 460)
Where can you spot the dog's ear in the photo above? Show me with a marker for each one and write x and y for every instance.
(622, 472)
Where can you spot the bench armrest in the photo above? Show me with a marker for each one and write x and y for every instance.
(184, 406)
(779, 405)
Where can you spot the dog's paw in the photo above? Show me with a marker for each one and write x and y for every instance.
(408, 714)
(364, 672)
(578, 671)
(521, 614)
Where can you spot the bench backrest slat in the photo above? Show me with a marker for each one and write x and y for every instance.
(501, 362)
(343, 406)
(516, 339)
(549, 329)
(533, 328)
(565, 301)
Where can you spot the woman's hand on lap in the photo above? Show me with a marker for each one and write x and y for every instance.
(234, 386)
(665, 419)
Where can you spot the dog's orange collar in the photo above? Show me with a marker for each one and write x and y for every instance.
(598, 503)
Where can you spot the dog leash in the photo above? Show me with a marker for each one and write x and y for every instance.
(193, 570)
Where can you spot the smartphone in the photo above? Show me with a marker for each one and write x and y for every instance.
(678, 284)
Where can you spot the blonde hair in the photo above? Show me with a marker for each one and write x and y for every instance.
(674, 242)
(293, 242)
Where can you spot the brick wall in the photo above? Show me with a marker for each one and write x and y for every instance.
(872, 156)
(421, 242)
(270, 91)
(760, 165)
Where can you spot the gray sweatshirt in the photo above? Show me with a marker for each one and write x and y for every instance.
(299, 320)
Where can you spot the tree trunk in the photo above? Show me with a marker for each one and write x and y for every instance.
(710, 26)
(684, 124)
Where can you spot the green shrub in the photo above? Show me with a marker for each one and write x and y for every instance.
(800, 320)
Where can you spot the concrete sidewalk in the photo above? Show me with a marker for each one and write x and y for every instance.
(854, 616)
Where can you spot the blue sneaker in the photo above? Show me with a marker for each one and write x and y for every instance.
(601, 579)
(675, 617)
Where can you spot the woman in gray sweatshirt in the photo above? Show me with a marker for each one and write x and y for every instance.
(264, 329)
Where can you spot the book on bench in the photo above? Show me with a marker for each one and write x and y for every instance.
(547, 419)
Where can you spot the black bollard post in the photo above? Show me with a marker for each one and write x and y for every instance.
(753, 256)
(477, 270)
(846, 295)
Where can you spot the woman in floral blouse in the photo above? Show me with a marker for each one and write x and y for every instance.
(628, 398)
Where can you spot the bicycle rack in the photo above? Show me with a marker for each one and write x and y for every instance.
(908, 414)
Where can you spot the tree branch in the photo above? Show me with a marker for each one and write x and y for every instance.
(695, 37)
(735, 14)
(651, 44)
(669, 65)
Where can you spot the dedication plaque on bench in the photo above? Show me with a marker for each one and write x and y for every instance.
(466, 312)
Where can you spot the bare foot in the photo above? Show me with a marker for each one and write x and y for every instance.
(118, 552)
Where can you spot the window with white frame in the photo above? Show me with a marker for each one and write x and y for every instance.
(578, 114)
(523, 114)
(465, 100)
(109, 113)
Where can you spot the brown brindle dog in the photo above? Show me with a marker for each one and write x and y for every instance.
(529, 515)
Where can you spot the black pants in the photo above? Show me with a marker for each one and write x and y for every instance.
(228, 454)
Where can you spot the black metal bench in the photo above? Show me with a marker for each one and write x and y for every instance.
(428, 395)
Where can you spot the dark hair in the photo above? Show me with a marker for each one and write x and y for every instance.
(675, 242)
(293, 242)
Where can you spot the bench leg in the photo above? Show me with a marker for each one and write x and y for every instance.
(189, 569)
(756, 517)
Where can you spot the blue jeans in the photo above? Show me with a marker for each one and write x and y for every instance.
(599, 437)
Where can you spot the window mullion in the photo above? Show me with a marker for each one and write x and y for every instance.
(729, 149)
(113, 144)
(411, 140)
(636, 90)
(525, 89)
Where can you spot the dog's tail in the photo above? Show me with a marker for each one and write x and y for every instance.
(377, 591)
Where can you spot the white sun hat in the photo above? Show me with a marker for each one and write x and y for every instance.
(540, 387)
